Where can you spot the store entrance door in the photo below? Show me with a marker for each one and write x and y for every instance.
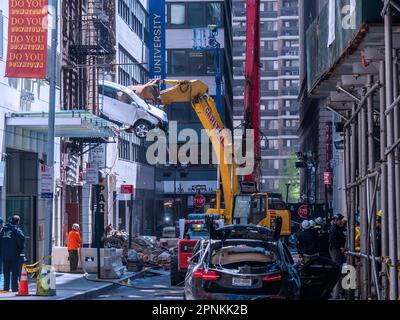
(25, 207)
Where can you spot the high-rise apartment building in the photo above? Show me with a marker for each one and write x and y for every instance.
(279, 86)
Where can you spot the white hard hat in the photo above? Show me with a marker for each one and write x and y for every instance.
(306, 225)
(312, 223)
(318, 220)
(75, 226)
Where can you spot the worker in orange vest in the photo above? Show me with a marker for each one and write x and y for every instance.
(74, 243)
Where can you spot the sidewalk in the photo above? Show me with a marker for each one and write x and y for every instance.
(70, 287)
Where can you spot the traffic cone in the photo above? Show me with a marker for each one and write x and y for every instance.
(23, 284)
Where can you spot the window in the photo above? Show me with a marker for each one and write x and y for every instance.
(273, 144)
(272, 85)
(271, 65)
(177, 14)
(291, 83)
(273, 124)
(271, 6)
(197, 63)
(188, 62)
(272, 105)
(291, 63)
(194, 14)
(271, 26)
(177, 62)
(130, 72)
(214, 14)
(124, 150)
(107, 92)
(136, 17)
(271, 45)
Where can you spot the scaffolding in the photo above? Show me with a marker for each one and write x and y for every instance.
(368, 102)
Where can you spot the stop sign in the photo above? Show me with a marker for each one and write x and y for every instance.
(303, 211)
(199, 200)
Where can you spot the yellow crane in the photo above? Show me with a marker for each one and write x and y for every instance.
(240, 207)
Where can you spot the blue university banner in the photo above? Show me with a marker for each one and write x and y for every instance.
(157, 65)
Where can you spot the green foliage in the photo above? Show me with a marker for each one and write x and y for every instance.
(291, 175)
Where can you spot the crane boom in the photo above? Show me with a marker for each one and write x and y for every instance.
(252, 83)
(195, 92)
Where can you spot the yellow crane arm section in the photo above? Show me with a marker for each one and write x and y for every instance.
(195, 92)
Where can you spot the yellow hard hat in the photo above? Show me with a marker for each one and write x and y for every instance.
(380, 213)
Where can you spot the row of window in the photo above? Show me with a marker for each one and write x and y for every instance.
(194, 14)
(136, 17)
(275, 124)
(272, 105)
(130, 72)
(132, 151)
(274, 84)
(273, 144)
(188, 62)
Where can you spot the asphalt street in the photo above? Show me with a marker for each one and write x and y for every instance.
(153, 289)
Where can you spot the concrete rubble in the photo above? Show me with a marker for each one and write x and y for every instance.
(151, 252)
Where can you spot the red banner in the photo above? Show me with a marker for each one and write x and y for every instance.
(27, 39)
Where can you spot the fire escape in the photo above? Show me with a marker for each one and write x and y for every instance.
(88, 53)
(91, 49)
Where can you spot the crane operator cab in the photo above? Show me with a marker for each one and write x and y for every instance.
(261, 209)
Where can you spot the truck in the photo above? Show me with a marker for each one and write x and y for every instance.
(191, 230)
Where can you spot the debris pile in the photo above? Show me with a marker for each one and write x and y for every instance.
(150, 251)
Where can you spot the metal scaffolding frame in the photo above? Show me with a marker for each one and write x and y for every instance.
(372, 172)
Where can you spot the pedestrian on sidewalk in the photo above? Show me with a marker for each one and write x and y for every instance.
(337, 245)
(337, 239)
(12, 244)
(307, 242)
(323, 241)
(74, 243)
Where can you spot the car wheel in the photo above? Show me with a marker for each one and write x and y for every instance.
(141, 129)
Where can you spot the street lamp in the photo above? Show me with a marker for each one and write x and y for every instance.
(308, 160)
(287, 192)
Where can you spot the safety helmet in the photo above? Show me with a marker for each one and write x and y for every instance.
(312, 223)
(380, 214)
(318, 220)
(338, 216)
(75, 226)
(306, 225)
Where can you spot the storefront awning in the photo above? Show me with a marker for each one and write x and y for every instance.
(70, 123)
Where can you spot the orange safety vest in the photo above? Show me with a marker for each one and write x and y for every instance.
(74, 240)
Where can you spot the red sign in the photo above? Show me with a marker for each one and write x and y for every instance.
(199, 200)
(328, 178)
(303, 211)
(27, 39)
(126, 189)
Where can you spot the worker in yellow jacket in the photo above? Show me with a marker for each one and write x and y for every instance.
(357, 235)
